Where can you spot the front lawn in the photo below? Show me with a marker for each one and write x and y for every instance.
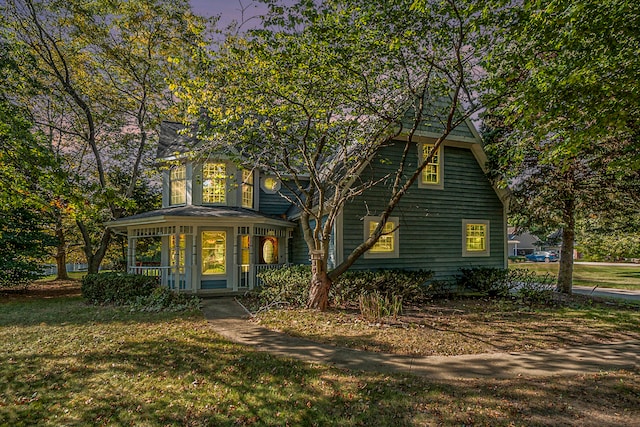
(603, 276)
(466, 326)
(66, 363)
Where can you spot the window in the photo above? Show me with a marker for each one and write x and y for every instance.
(214, 183)
(245, 254)
(475, 238)
(247, 189)
(214, 252)
(432, 173)
(178, 185)
(387, 244)
(181, 250)
(268, 250)
(270, 184)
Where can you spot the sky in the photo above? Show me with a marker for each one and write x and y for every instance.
(228, 10)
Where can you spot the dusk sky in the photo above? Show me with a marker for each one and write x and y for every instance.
(227, 9)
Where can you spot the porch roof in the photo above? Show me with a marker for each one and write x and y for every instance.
(191, 212)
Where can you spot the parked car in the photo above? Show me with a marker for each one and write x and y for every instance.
(542, 256)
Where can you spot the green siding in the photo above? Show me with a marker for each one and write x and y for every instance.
(430, 122)
(430, 234)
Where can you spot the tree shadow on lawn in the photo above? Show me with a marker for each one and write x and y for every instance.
(205, 380)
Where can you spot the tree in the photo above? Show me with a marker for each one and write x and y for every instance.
(100, 88)
(25, 169)
(568, 136)
(315, 92)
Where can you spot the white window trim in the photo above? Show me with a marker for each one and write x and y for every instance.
(396, 238)
(440, 184)
(184, 184)
(487, 251)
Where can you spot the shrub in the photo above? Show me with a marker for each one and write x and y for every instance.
(374, 307)
(533, 289)
(164, 299)
(141, 293)
(286, 285)
(407, 285)
(489, 281)
(117, 288)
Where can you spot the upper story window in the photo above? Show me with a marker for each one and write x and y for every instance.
(214, 183)
(475, 237)
(247, 189)
(432, 173)
(178, 185)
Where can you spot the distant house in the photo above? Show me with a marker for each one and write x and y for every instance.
(524, 243)
(220, 224)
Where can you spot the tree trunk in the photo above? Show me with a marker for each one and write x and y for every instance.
(94, 259)
(565, 274)
(320, 285)
(61, 254)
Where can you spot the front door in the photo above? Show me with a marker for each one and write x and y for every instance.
(214, 250)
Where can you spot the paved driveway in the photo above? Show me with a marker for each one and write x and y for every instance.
(608, 292)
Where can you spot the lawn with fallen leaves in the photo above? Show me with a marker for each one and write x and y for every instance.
(68, 363)
(465, 326)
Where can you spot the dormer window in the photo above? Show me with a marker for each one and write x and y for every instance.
(432, 173)
(247, 189)
(214, 183)
(178, 185)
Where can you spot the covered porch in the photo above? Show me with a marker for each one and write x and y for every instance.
(207, 250)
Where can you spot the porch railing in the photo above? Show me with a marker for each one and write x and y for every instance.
(169, 276)
(248, 274)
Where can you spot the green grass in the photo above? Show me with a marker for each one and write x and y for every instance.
(66, 363)
(621, 277)
(73, 275)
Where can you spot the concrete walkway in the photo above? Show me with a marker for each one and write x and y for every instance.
(230, 320)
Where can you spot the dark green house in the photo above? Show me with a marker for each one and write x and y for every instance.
(220, 225)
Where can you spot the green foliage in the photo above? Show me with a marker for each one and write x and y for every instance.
(117, 288)
(494, 282)
(290, 285)
(410, 286)
(164, 299)
(140, 293)
(536, 290)
(525, 285)
(564, 135)
(23, 246)
(375, 307)
(287, 285)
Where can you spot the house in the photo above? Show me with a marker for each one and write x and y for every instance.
(220, 224)
(522, 243)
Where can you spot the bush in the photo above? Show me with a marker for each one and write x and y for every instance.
(141, 293)
(374, 307)
(494, 282)
(164, 299)
(407, 285)
(117, 288)
(533, 289)
(286, 285)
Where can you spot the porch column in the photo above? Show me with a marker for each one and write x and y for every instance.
(131, 254)
(195, 273)
(175, 271)
(235, 273)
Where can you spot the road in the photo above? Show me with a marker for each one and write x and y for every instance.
(632, 295)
